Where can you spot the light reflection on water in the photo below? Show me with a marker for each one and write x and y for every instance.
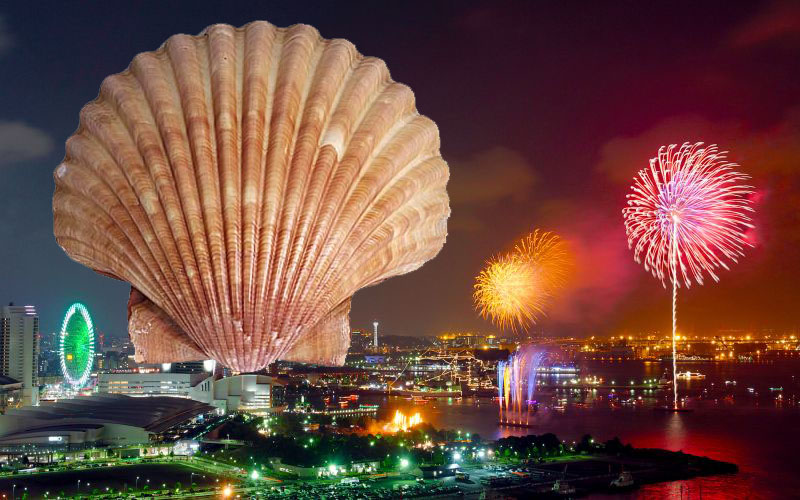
(755, 433)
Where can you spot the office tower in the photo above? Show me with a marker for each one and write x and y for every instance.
(19, 349)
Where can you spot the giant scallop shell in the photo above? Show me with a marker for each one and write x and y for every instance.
(247, 182)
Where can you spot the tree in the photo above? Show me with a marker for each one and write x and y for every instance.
(586, 444)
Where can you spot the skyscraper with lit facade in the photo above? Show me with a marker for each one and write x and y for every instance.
(19, 349)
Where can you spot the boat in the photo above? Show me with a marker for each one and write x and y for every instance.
(687, 375)
(625, 480)
(688, 358)
(559, 369)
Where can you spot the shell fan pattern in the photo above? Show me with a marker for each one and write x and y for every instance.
(247, 182)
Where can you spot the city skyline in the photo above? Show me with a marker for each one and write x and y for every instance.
(548, 135)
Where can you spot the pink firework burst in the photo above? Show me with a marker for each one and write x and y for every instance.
(690, 209)
(687, 216)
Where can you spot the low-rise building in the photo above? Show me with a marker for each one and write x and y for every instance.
(252, 393)
(103, 420)
(331, 470)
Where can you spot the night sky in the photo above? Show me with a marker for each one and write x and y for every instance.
(546, 110)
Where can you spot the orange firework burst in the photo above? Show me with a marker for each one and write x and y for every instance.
(550, 255)
(513, 289)
(508, 292)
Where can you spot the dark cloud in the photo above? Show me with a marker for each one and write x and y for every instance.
(490, 176)
(772, 150)
(6, 40)
(484, 180)
(21, 142)
(778, 21)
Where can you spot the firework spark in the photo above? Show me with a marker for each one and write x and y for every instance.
(687, 217)
(514, 289)
(548, 252)
(692, 203)
(508, 291)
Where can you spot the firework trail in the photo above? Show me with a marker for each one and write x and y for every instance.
(686, 217)
(516, 383)
(514, 289)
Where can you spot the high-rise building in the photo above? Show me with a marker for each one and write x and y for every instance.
(375, 341)
(19, 349)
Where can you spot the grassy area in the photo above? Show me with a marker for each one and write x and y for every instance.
(123, 478)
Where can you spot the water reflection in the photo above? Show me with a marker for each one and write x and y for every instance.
(675, 432)
(728, 423)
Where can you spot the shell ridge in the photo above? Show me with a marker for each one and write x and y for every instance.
(184, 59)
(296, 177)
(338, 227)
(116, 139)
(91, 156)
(258, 321)
(321, 176)
(223, 62)
(184, 168)
(288, 101)
(356, 247)
(111, 236)
(367, 82)
(305, 154)
(273, 188)
(259, 49)
(220, 87)
(149, 74)
(212, 193)
(166, 106)
(302, 65)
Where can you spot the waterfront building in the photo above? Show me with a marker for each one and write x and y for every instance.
(195, 386)
(259, 394)
(362, 410)
(19, 349)
(251, 393)
(103, 420)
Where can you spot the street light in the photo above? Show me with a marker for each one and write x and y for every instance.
(137, 483)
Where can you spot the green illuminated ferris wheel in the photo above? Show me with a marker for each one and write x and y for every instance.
(76, 345)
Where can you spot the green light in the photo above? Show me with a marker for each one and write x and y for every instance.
(254, 474)
(76, 345)
(403, 463)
